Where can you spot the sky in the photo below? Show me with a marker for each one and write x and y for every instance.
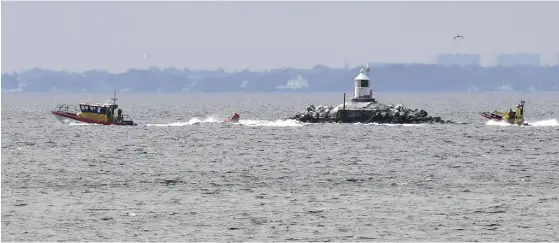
(115, 36)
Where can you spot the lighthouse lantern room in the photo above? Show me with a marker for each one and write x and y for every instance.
(363, 91)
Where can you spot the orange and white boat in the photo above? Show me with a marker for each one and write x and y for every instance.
(103, 114)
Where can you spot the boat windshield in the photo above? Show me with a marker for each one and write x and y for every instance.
(92, 109)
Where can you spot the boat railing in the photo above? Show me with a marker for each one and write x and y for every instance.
(70, 109)
(126, 118)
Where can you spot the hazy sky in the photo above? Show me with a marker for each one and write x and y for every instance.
(77, 36)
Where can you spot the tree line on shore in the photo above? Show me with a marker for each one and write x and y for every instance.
(394, 77)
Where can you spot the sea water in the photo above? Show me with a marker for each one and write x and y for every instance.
(184, 175)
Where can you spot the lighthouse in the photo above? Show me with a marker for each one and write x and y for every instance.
(363, 91)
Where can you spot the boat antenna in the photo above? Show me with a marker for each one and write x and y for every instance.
(114, 98)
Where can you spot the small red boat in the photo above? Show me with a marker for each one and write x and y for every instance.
(234, 119)
(103, 114)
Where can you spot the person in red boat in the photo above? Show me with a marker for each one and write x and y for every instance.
(235, 117)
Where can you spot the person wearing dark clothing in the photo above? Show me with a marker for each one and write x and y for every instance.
(235, 116)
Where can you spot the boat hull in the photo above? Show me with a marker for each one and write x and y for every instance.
(61, 116)
(491, 116)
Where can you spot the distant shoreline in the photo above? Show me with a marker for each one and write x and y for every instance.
(320, 79)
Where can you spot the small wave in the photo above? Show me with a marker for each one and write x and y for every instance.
(76, 123)
(497, 123)
(542, 123)
(192, 121)
(71, 123)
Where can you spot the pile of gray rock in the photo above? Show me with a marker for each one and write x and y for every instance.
(365, 112)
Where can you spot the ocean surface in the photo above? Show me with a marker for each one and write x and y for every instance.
(183, 175)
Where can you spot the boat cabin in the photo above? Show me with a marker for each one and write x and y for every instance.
(106, 112)
(101, 112)
(97, 108)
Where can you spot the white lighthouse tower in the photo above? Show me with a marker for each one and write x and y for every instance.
(363, 91)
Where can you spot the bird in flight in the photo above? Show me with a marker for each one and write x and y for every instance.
(458, 36)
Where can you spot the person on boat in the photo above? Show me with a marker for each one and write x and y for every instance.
(119, 116)
(511, 116)
(235, 117)
(520, 110)
(109, 115)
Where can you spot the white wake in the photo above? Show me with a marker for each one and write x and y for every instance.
(545, 123)
(265, 123)
(542, 123)
(244, 122)
(192, 121)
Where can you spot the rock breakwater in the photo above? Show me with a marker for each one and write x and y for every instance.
(366, 112)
